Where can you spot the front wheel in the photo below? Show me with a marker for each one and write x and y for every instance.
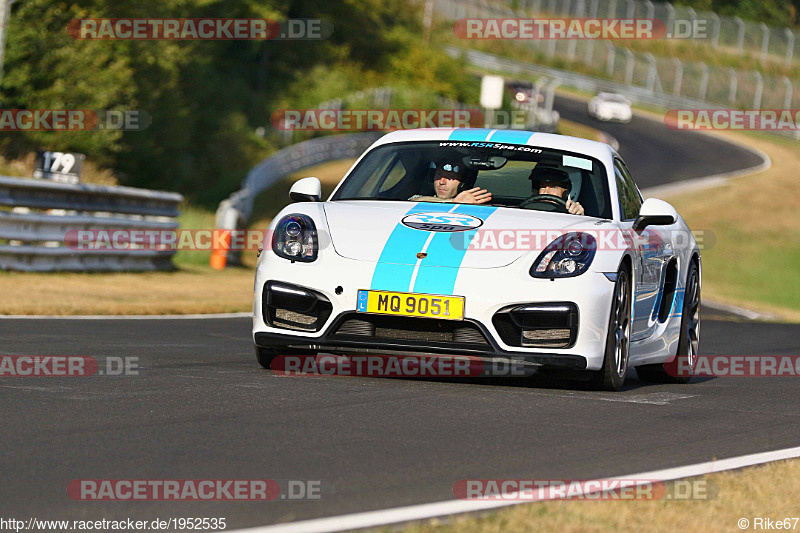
(615, 363)
(265, 356)
(680, 368)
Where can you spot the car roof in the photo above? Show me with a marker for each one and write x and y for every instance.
(595, 149)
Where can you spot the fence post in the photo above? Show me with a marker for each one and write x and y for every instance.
(537, 87)
(652, 73)
(759, 90)
(629, 67)
(551, 48)
(787, 100)
(733, 86)
(593, 8)
(573, 43)
(612, 9)
(789, 46)
(676, 88)
(631, 9)
(740, 36)
(551, 90)
(651, 10)
(703, 82)
(612, 54)
(715, 31)
(589, 51)
(670, 16)
(764, 41)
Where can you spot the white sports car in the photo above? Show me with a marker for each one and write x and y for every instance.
(385, 265)
(610, 106)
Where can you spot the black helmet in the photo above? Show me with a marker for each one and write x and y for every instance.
(466, 176)
(545, 173)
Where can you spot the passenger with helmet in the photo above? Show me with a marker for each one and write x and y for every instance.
(551, 187)
(450, 182)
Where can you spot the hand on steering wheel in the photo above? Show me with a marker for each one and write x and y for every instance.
(546, 198)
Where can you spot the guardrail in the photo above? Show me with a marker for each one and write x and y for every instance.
(36, 241)
(235, 212)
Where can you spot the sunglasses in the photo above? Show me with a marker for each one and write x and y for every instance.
(447, 167)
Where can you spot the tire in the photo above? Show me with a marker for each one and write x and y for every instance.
(265, 356)
(688, 342)
(615, 363)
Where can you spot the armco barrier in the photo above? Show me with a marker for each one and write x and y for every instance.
(235, 212)
(34, 241)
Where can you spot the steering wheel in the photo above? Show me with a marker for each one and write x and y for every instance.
(551, 199)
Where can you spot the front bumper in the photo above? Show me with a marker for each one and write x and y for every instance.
(334, 340)
(488, 292)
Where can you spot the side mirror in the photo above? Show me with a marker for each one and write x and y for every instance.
(655, 212)
(306, 190)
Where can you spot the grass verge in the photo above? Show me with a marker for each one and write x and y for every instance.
(750, 228)
(193, 288)
(763, 491)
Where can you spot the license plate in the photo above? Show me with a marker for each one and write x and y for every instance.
(410, 304)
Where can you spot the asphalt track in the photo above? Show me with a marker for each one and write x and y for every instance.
(657, 155)
(201, 408)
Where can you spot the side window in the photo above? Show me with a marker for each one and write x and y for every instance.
(629, 199)
(397, 172)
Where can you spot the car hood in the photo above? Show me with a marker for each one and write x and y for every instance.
(375, 231)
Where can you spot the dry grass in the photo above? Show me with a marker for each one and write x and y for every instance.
(765, 491)
(753, 220)
(194, 288)
(185, 292)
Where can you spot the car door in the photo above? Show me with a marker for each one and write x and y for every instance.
(648, 251)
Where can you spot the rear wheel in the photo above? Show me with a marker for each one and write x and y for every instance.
(615, 363)
(680, 368)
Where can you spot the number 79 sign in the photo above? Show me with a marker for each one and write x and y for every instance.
(58, 166)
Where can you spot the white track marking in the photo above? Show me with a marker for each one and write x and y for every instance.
(427, 511)
(740, 311)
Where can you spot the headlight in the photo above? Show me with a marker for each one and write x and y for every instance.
(295, 238)
(567, 256)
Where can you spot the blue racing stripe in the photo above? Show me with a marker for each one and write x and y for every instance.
(442, 279)
(396, 263)
(511, 137)
(476, 134)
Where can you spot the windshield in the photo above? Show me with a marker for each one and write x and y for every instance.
(619, 99)
(511, 173)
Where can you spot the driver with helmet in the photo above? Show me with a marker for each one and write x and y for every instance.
(553, 186)
(450, 182)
